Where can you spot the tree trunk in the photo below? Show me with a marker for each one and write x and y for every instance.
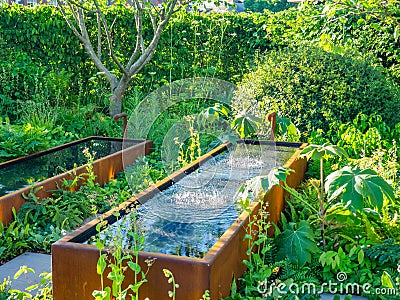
(115, 104)
(117, 90)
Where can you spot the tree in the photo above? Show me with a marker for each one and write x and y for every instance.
(123, 66)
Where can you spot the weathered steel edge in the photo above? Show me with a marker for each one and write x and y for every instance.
(217, 278)
(102, 167)
(63, 146)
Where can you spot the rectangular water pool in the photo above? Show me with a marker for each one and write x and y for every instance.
(47, 168)
(189, 217)
(199, 237)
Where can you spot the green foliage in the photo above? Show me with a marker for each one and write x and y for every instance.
(59, 211)
(16, 140)
(351, 263)
(361, 137)
(171, 279)
(340, 261)
(22, 140)
(356, 25)
(246, 125)
(115, 264)
(14, 239)
(143, 173)
(324, 151)
(30, 90)
(286, 130)
(356, 186)
(387, 253)
(296, 243)
(213, 45)
(314, 88)
(193, 150)
(41, 222)
(272, 5)
(39, 291)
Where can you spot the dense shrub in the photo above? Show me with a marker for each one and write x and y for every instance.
(314, 87)
(23, 81)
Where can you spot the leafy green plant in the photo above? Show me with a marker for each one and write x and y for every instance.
(357, 187)
(362, 136)
(14, 239)
(193, 150)
(171, 279)
(43, 290)
(321, 153)
(39, 291)
(270, 259)
(340, 261)
(4, 288)
(296, 242)
(117, 263)
(386, 253)
(21, 140)
(59, 211)
(246, 125)
(65, 209)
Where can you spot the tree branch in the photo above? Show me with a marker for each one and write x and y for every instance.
(79, 17)
(109, 38)
(99, 35)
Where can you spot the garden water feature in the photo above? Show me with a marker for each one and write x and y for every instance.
(46, 170)
(25, 172)
(192, 223)
(190, 216)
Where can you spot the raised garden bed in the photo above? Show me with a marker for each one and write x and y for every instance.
(47, 169)
(74, 260)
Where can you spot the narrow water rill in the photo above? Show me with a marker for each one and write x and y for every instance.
(48, 168)
(191, 224)
(189, 217)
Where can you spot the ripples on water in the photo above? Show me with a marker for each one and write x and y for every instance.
(190, 216)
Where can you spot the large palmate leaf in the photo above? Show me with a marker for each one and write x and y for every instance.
(296, 243)
(358, 186)
(319, 151)
(246, 124)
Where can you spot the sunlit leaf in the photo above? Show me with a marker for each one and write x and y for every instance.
(297, 243)
(355, 186)
(319, 151)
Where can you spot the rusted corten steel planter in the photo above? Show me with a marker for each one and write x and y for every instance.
(105, 168)
(74, 263)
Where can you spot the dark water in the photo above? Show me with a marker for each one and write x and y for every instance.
(188, 218)
(16, 176)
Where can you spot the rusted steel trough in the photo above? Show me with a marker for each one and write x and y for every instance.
(74, 263)
(105, 168)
